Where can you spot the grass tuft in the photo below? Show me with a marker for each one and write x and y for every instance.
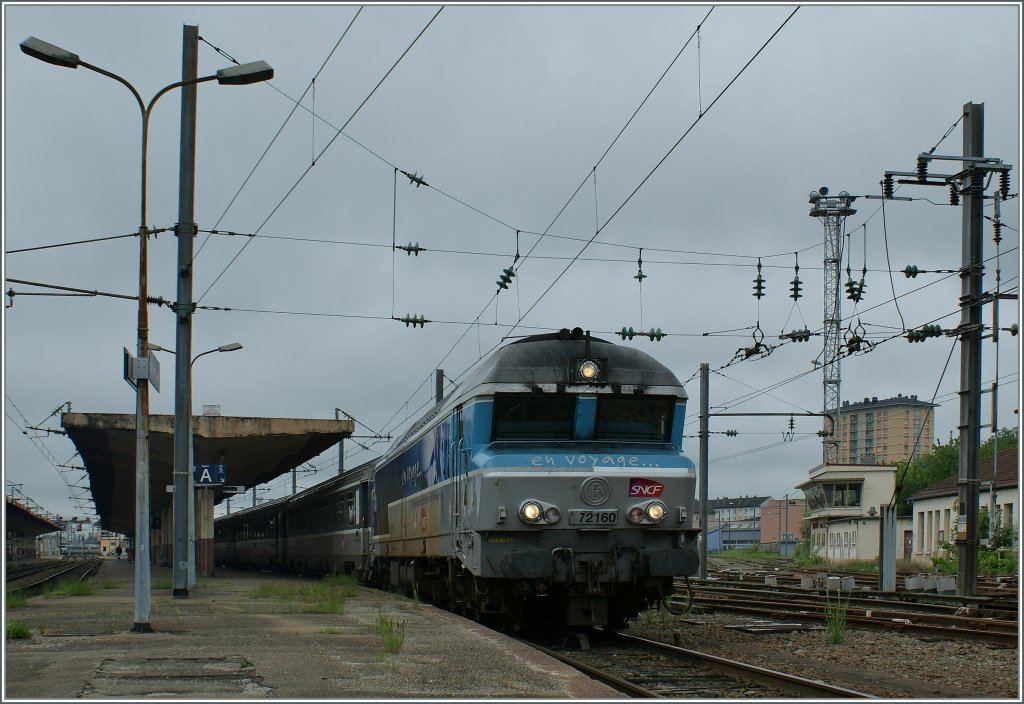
(162, 583)
(391, 632)
(17, 631)
(324, 597)
(15, 599)
(835, 616)
(67, 587)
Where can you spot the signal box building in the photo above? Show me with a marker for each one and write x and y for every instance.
(842, 513)
(885, 431)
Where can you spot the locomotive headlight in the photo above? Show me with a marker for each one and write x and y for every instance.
(589, 370)
(656, 512)
(530, 512)
(552, 514)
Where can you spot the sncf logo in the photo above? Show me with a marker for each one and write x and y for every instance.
(645, 488)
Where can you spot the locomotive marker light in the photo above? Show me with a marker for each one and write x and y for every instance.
(552, 514)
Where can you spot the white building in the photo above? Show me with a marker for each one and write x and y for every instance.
(935, 508)
(842, 509)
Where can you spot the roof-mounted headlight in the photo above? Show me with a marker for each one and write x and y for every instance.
(588, 370)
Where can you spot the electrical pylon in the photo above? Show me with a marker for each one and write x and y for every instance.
(832, 212)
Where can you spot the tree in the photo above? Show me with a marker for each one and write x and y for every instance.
(942, 462)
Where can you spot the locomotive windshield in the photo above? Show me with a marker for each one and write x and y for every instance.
(534, 416)
(553, 417)
(639, 418)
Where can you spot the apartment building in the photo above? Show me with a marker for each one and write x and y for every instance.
(885, 431)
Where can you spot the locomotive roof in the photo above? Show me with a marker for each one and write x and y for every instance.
(545, 359)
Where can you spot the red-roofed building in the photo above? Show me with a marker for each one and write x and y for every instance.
(935, 508)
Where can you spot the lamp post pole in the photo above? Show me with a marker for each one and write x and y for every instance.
(236, 75)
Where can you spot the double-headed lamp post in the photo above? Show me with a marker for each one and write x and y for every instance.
(236, 75)
(230, 347)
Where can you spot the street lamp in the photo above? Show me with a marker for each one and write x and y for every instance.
(235, 75)
(191, 520)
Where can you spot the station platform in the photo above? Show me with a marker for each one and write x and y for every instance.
(225, 642)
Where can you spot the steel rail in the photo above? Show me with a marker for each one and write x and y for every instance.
(794, 684)
(611, 680)
(1000, 637)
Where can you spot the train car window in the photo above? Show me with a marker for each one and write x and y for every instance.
(637, 418)
(534, 416)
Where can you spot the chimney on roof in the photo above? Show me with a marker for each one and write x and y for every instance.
(874, 399)
(867, 400)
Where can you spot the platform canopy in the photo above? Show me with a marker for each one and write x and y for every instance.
(254, 451)
(24, 522)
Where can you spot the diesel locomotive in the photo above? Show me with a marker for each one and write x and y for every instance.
(549, 486)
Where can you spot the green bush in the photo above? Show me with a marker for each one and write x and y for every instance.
(17, 631)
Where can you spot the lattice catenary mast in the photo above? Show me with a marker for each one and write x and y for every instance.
(833, 212)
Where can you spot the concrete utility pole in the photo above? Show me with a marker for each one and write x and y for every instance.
(185, 230)
(703, 460)
(970, 351)
(969, 183)
(833, 212)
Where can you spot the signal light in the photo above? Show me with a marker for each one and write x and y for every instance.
(506, 276)
(911, 271)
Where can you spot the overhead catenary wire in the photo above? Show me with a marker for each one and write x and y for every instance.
(323, 151)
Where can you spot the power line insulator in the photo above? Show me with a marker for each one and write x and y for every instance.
(626, 333)
(887, 188)
(922, 168)
(799, 335)
(411, 248)
(731, 433)
(506, 276)
(954, 195)
(655, 334)
(1004, 183)
(414, 320)
(911, 271)
(794, 288)
(997, 231)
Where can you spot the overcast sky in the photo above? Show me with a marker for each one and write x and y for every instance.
(508, 113)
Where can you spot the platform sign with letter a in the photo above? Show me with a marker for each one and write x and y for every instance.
(210, 474)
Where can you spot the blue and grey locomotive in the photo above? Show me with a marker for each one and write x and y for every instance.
(550, 486)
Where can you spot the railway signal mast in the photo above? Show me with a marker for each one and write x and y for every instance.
(832, 212)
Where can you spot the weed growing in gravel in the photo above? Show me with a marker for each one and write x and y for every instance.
(391, 632)
(16, 599)
(835, 616)
(67, 587)
(163, 583)
(317, 598)
(17, 631)
(108, 584)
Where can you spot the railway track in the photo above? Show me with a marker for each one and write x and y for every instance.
(950, 620)
(644, 668)
(32, 578)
